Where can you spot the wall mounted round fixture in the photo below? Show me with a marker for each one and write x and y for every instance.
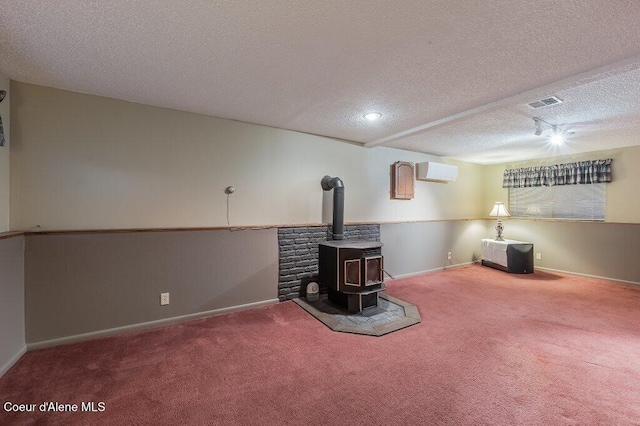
(371, 116)
(229, 190)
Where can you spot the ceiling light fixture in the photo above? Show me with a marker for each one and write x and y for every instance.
(557, 138)
(538, 127)
(557, 134)
(372, 116)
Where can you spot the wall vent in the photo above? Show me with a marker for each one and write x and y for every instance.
(551, 100)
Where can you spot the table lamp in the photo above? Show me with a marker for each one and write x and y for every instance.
(499, 211)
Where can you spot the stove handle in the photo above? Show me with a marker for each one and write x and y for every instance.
(391, 276)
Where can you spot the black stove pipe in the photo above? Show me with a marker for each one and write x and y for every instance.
(328, 183)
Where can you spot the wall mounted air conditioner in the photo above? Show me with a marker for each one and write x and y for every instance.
(436, 171)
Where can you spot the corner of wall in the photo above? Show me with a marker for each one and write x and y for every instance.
(12, 301)
(5, 177)
(492, 184)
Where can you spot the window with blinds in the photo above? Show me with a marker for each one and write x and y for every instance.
(586, 202)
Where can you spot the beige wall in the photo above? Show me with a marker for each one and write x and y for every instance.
(81, 161)
(623, 203)
(87, 283)
(492, 187)
(12, 318)
(602, 249)
(411, 248)
(608, 250)
(4, 156)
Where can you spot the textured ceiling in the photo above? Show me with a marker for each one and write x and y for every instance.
(597, 114)
(317, 67)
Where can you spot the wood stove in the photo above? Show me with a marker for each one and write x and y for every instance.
(352, 270)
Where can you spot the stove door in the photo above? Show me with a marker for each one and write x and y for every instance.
(373, 267)
(352, 276)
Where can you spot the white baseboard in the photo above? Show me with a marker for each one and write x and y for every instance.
(588, 275)
(413, 274)
(13, 360)
(145, 325)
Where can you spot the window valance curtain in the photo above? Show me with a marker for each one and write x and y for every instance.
(583, 172)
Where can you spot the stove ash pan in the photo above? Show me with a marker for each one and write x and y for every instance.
(352, 270)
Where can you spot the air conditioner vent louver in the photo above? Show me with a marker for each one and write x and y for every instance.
(551, 100)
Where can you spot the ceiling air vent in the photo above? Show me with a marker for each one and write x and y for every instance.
(551, 100)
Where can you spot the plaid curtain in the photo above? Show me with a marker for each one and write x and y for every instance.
(583, 172)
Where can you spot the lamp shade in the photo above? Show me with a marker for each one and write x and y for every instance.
(499, 210)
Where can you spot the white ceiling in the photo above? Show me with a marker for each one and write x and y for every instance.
(449, 77)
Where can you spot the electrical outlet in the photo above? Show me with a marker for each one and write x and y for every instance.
(539, 256)
(449, 255)
(164, 299)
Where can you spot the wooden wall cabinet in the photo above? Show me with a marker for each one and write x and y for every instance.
(402, 180)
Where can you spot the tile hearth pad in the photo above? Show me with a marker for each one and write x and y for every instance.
(392, 314)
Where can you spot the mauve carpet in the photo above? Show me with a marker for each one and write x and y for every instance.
(492, 348)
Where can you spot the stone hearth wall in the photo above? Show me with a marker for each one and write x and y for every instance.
(298, 251)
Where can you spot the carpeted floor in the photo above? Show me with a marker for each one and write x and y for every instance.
(492, 348)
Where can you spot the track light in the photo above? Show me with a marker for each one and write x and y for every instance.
(557, 138)
(557, 134)
(538, 127)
